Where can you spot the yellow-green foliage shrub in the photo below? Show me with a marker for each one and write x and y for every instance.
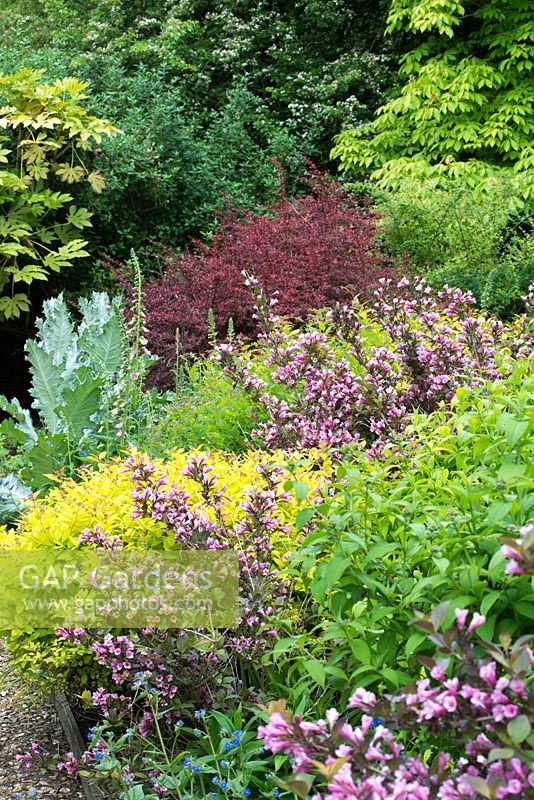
(102, 495)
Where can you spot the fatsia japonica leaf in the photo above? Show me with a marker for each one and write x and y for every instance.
(14, 306)
(79, 217)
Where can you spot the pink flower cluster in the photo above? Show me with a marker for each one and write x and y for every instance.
(99, 538)
(320, 393)
(520, 552)
(484, 705)
(250, 536)
(30, 759)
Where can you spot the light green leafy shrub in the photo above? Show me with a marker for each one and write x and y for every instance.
(46, 137)
(463, 237)
(466, 107)
(208, 411)
(420, 528)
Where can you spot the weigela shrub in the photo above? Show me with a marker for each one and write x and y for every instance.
(359, 377)
(312, 250)
(477, 695)
(239, 502)
(408, 531)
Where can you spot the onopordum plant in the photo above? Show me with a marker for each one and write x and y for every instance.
(87, 385)
(13, 497)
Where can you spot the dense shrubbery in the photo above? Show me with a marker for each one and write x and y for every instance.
(359, 440)
(102, 504)
(465, 110)
(483, 693)
(189, 421)
(311, 251)
(422, 527)
(460, 236)
(205, 99)
(357, 373)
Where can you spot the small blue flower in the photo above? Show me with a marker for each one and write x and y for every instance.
(276, 792)
(196, 768)
(89, 737)
(212, 795)
(32, 793)
(223, 763)
(17, 795)
(376, 722)
(236, 742)
(180, 723)
(227, 746)
(239, 733)
(99, 756)
(215, 779)
(200, 713)
(224, 785)
(186, 761)
(246, 792)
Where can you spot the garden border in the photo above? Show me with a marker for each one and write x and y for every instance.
(75, 741)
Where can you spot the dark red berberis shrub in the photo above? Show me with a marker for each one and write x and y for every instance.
(310, 250)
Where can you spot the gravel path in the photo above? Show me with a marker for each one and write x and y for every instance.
(21, 723)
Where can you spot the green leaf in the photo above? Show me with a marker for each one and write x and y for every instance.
(501, 753)
(304, 516)
(513, 428)
(47, 380)
(97, 181)
(301, 490)
(80, 403)
(13, 307)
(135, 792)
(479, 785)
(316, 670)
(488, 601)
(327, 576)
(79, 217)
(47, 457)
(100, 334)
(413, 642)
(360, 650)
(519, 729)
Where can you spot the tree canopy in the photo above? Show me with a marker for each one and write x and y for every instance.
(466, 107)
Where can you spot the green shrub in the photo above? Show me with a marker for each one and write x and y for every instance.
(420, 528)
(465, 110)
(460, 236)
(209, 411)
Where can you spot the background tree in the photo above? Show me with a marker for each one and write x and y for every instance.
(466, 108)
(207, 94)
